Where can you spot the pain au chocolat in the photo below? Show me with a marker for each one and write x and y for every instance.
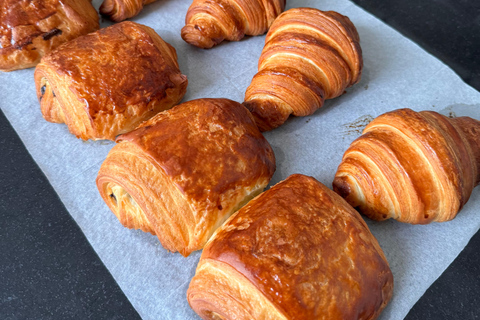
(30, 29)
(186, 170)
(107, 82)
(297, 251)
(309, 56)
(415, 167)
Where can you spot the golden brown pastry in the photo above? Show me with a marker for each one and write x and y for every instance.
(30, 29)
(106, 83)
(309, 56)
(209, 22)
(183, 172)
(119, 10)
(416, 167)
(297, 251)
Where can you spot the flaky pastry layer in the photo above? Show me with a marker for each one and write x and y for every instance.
(416, 167)
(31, 29)
(209, 22)
(297, 251)
(108, 82)
(309, 56)
(119, 10)
(183, 172)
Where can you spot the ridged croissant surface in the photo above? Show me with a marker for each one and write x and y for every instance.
(416, 167)
(29, 29)
(119, 10)
(209, 22)
(297, 251)
(309, 56)
(183, 172)
(107, 82)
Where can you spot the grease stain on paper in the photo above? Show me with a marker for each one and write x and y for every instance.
(356, 127)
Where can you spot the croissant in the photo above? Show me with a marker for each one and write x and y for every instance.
(309, 56)
(209, 22)
(297, 251)
(106, 83)
(31, 29)
(415, 167)
(119, 10)
(186, 170)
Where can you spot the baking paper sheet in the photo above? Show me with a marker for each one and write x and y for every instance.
(397, 74)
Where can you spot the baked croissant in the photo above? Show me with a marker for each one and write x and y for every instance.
(309, 56)
(31, 29)
(183, 172)
(416, 167)
(209, 22)
(119, 10)
(106, 83)
(297, 251)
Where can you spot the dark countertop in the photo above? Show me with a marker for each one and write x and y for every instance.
(48, 270)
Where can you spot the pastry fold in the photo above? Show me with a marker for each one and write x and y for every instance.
(309, 56)
(31, 29)
(415, 167)
(183, 172)
(119, 10)
(107, 82)
(297, 251)
(209, 22)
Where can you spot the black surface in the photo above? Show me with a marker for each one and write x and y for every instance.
(448, 29)
(49, 271)
(455, 295)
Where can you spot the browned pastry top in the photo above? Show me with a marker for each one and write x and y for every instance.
(330, 27)
(97, 63)
(307, 251)
(188, 143)
(30, 29)
(30, 14)
(416, 167)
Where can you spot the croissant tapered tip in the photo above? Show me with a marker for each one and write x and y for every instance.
(203, 36)
(268, 115)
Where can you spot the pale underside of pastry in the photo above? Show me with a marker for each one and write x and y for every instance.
(209, 22)
(183, 172)
(31, 29)
(119, 10)
(108, 82)
(309, 56)
(416, 167)
(297, 251)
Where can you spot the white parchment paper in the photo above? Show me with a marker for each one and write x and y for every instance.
(397, 74)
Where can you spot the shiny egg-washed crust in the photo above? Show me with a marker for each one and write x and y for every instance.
(297, 251)
(209, 22)
(107, 82)
(119, 10)
(30, 29)
(183, 172)
(416, 167)
(309, 56)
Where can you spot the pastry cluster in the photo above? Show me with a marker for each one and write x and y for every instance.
(193, 173)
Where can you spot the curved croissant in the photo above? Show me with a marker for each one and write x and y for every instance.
(183, 172)
(31, 29)
(106, 83)
(119, 10)
(309, 56)
(297, 251)
(209, 22)
(416, 167)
